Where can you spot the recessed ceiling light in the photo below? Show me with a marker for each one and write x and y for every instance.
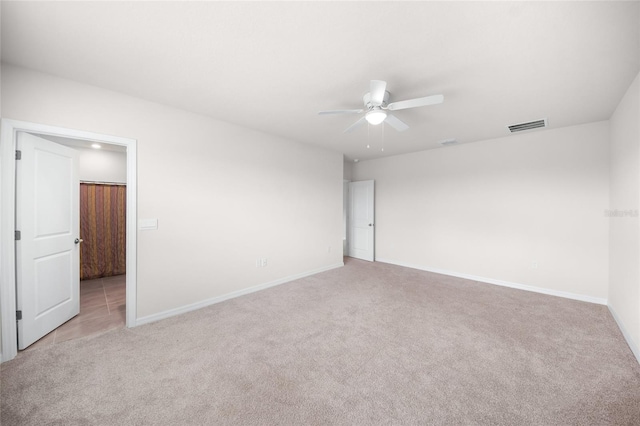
(95, 146)
(355, 160)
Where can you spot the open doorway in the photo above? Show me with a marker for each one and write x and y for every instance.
(102, 172)
(125, 299)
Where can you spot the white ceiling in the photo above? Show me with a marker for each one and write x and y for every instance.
(272, 66)
(84, 144)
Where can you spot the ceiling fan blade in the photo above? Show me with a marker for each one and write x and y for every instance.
(414, 103)
(396, 123)
(355, 125)
(376, 90)
(341, 111)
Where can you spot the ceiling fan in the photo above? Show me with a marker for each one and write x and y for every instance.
(376, 105)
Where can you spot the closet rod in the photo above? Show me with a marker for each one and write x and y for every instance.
(103, 183)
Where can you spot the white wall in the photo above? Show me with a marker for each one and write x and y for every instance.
(348, 170)
(102, 166)
(347, 175)
(224, 195)
(624, 248)
(493, 208)
(0, 116)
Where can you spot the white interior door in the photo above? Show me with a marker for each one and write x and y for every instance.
(361, 220)
(48, 252)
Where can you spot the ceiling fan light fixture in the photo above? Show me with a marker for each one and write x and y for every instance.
(376, 116)
(376, 104)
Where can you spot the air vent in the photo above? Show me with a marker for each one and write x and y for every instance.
(520, 127)
(447, 142)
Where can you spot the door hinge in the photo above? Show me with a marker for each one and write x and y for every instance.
(18, 315)
(18, 235)
(18, 155)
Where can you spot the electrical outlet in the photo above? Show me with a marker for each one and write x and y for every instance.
(534, 265)
(263, 262)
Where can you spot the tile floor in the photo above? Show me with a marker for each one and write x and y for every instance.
(102, 308)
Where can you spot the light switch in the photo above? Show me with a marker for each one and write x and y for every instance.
(148, 224)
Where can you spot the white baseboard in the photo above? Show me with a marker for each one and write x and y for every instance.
(633, 345)
(204, 303)
(565, 294)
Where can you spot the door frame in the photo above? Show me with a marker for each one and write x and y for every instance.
(345, 217)
(8, 134)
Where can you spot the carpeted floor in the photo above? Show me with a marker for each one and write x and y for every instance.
(369, 343)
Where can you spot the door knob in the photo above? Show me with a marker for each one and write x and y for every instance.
(371, 224)
(78, 240)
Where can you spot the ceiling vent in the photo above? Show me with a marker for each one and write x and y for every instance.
(520, 127)
(448, 142)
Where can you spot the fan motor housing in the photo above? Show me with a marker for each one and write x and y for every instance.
(367, 101)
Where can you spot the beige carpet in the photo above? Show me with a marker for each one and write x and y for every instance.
(363, 344)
